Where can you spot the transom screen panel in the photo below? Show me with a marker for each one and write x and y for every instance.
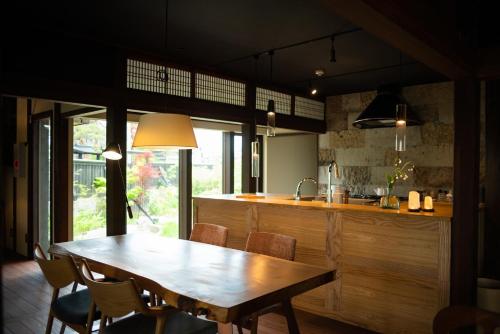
(221, 90)
(282, 102)
(151, 77)
(309, 108)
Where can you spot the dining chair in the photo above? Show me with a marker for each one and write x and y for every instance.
(276, 245)
(455, 317)
(75, 309)
(209, 234)
(119, 299)
(272, 244)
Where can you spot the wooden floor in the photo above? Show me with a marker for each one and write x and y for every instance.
(26, 298)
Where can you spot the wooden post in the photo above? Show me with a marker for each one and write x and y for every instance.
(116, 132)
(249, 134)
(60, 159)
(492, 182)
(185, 193)
(228, 163)
(465, 193)
(248, 183)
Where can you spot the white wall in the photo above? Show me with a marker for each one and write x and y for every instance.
(288, 159)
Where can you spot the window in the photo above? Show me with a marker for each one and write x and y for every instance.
(207, 163)
(89, 178)
(152, 189)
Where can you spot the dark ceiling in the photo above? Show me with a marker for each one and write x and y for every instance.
(211, 33)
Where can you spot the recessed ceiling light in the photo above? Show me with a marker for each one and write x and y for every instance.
(319, 72)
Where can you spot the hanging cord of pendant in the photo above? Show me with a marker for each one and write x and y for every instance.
(256, 67)
(256, 70)
(400, 69)
(271, 54)
(163, 75)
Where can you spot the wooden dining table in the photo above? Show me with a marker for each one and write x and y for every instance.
(222, 283)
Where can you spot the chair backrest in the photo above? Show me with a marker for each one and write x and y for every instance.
(461, 316)
(114, 299)
(272, 244)
(59, 272)
(209, 234)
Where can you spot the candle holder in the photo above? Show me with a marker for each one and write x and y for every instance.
(413, 201)
(428, 204)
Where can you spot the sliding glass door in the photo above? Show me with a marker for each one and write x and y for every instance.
(42, 185)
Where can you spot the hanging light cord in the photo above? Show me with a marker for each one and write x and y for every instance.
(163, 74)
(271, 54)
(400, 68)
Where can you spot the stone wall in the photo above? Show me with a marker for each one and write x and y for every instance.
(366, 156)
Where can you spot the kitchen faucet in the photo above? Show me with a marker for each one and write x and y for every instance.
(332, 166)
(297, 192)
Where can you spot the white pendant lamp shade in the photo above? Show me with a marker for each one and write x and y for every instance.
(165, 131)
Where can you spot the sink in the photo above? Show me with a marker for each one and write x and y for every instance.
(356, 201)
(309, 199)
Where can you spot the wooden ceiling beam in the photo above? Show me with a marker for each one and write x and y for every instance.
(414, 29)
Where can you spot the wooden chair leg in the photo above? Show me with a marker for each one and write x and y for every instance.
(152, 299)
(293, 327)
(255, 325)
(63, 328)
(160, 325)
(102, 324)
(50, 321)
(240, 329)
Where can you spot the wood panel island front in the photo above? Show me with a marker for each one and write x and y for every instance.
(393, 266)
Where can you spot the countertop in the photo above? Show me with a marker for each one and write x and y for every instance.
(441, 209)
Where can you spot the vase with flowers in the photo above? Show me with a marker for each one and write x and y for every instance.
(400, 172)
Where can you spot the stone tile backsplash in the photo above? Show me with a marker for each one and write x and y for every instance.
(366, 156)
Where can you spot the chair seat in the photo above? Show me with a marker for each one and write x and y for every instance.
(73, 308)
(179, 323)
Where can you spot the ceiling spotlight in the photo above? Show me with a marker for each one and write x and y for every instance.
(312, 90)
(319, 72)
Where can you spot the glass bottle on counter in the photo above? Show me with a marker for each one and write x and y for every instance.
(389, 201)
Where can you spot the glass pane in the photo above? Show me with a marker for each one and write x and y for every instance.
(44, 185)
(152, 189)
(237, 163)
(89, 178)
(207, 163)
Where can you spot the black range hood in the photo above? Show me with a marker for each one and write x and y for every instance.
(381, 112)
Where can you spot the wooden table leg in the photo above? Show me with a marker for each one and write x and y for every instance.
(293, 327)
(225, 328)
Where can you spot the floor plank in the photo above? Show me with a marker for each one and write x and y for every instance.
(26, 299)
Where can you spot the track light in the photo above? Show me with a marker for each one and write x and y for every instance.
(333, 56)
(312, 90)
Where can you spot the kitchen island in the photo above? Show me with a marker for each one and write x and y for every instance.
(393, 266)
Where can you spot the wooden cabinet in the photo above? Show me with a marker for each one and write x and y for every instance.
(392, 269)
